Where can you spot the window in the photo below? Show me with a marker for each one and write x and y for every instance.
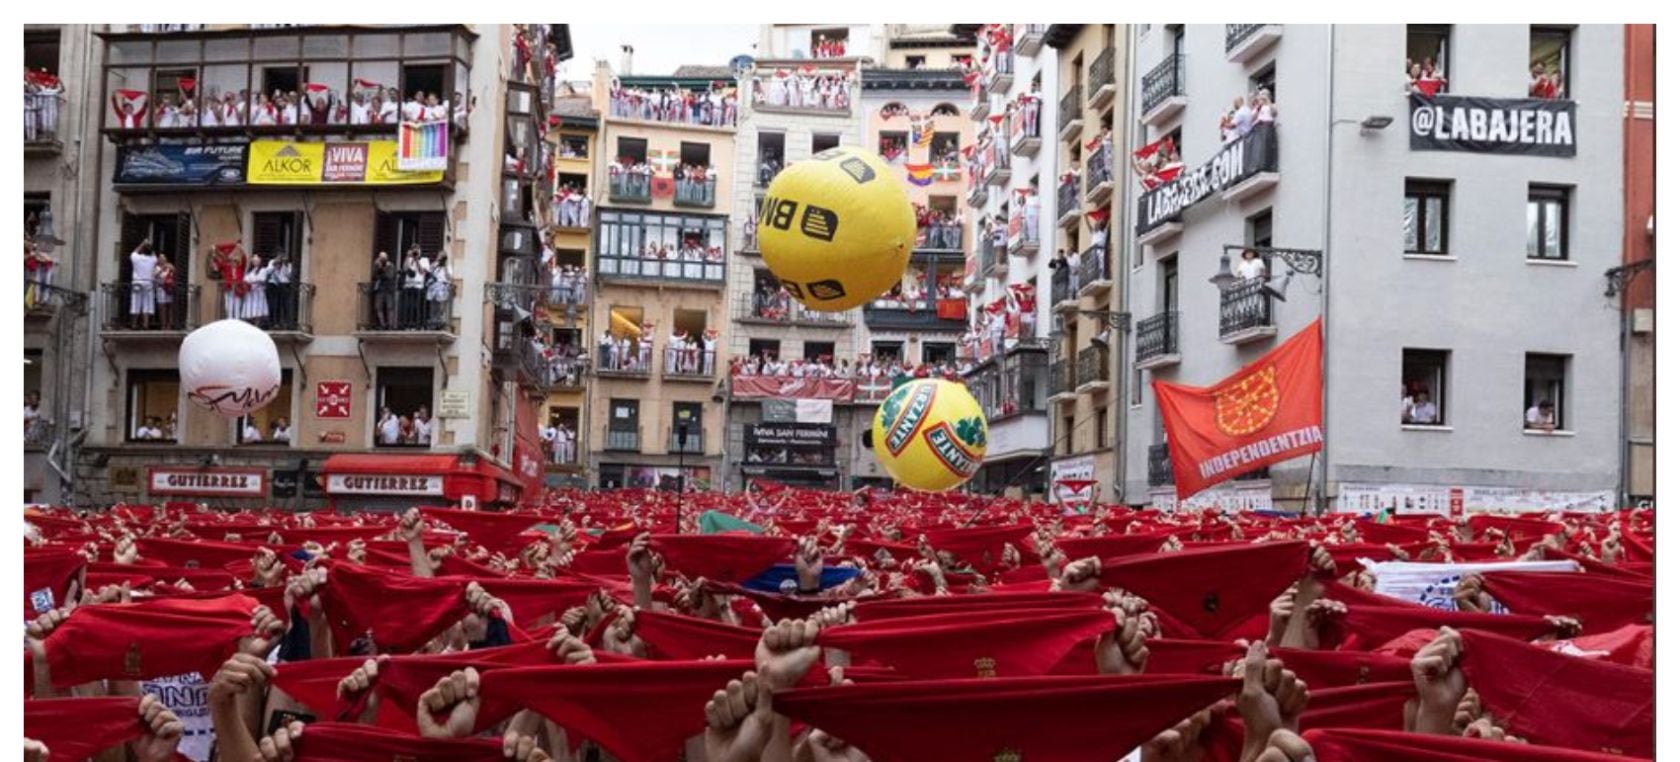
(423, 79)
(403, 407)
(1265, 79)
(1423, 387)
(946, 149)
(1544, 387)
(1427, 45)
(276, 233)
(1169, 282)
(771, 348)
(153, 402)
(632, 150)
(936, 352)
(772, 156)
(696, 154)
(1548, 61)
(1137, 387)
(1258, 229)
(1425, 216)
(895, 146)
(397, 232)
(1101, 416)
(1064, 438)
(574, 147)
(816, 350)
(282, 78)
(885, 351)
(624, 425)
(1548, 222)
(40, 51)
(915, 62)
(271, 425)
(822, 142)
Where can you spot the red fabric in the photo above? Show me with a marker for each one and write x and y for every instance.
(1167, 656)
(1267, 412)
(724, 557)
(1633, 645)
(1378, 706)
(1601, 602)
(983, 546)
(49, 572)
(1358, 745)
(1521, 530)
(403, 678)
(1324, 669)
(314, 682)
(775, 607)
(1562, 700)
(637, 711)
(1044, 719)
(533, 599)
(200, 553)
(1110, 545)
(1211, 589)
(78, 728)
(202, 579)
(137, 641)
(402, 612)
(349, 742)
(893, 608)
(1017, 643)
(1369, 626)
(496, 531)
(762, 387)
(681, 638)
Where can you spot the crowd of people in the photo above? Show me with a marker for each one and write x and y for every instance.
(413, 297)
(824, 47)
(42, 92)
(153, 286)
(1246, 112)
(938, 228)
(690, 355)
(155, 428)
(558, 361)
(714, 107)
(279, 431)
(627, 352)
(559, 442)
(1157, 163)
(412, 430)
(868, 371)
(317, 104)
(572, 206)
(261, 291)
(836, 626)
(1423, 78)
(807, 88)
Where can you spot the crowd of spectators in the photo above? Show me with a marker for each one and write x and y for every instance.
(714, 107)
(315, 105)
(806, 88)
(42, 93)
(405, 430)
(1246, 111)
(1423, 78)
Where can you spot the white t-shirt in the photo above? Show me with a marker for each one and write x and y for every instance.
(423, 430)
(283, 434)
(252, 433)
(389, 430)
(1537, 418)
(1250, 268)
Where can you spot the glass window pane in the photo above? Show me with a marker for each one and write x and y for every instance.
(177, 51)
(1409, 223)
(281, 47)
(429, 44)
(227, 50)
(375, 46)
(326, 46)
(223, 79)
(1533, 228)
(1432, 224)
(131, 51)
(381, 73)
(1554, 229)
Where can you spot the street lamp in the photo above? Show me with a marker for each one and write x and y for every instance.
(682, 473)
(45, 237)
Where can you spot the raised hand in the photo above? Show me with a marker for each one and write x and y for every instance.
(410, 526)
(302, 587)
(241, 678)
(570, 649)
(1121, 651)
(644, 563)
(1183, 742)
(1322, 616)
(266, 629)
(1468, 594)
(277, 746)
(1271, 698)
(786, 652)
(125, 551)
(456, 697)
(34, 751)
(819, 746)
(1286, 746)
(1440, 683)
(266, 568)
(1281, 611)
(1081, 576)
(738, 721)
(620, 636)
(522, 747)
(1485, 728)
(808, 564)
(163, 731)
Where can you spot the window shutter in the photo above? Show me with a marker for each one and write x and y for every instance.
(266, 235)
(133, 232)
(385, 236)
(431, 233)
(182, 256)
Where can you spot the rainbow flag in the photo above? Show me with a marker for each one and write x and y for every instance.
(919, 175)
(423, 147)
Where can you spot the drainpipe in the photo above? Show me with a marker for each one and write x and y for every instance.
(1323, 502)
(96, 305)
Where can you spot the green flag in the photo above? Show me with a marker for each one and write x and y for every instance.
(714, 522)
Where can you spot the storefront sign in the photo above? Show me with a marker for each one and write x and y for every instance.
(1231, 497)
(1237, 161)
(180, 165)
(207, 482)
(383, 484)
(1073, 480)
(454, 405)
(332, 399)
(1450, 500)
(789, 435)
(1526, 126)
(285, 162)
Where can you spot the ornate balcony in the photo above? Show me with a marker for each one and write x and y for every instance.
(690, 364)
(390, 311)
(630, 186)
(42, 113)
(1060, 387)
(1157, 341)
(1068, 115)
(1160, 466)
(1067, 203)
(1029, 38)
(283, 310)
(1245, 41)
(1063, 293)
(635, 363)
(1094, 271)
(756, 310)
(699, 194)
(1092, 374)
(1023, 229)
(1163, 91)
(1245, 312)
(693, 443)
(145, 309)
(921, 315)
(999, 74)
(1101, 77)
(1025, 127)
(1099, 175)
(624, 440)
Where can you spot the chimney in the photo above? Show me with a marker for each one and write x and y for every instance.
(625, 62)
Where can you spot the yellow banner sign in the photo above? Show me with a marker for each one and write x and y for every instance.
(374, 162)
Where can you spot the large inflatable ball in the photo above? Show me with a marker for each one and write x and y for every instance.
(230, 367)
(837, 229)
(930, 434)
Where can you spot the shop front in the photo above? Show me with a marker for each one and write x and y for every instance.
(365, 482)
(791, 453)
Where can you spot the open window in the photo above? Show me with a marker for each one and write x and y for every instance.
(1427, 49)
(823, 141)
(153, 406)
(1548, 61)
(632, 150)
(424, 78)
(1545, 392)
(1423, 386)
(696, 154)
(403, 407)
(772, 156)
(771, 348)
(272, 424)
(820, 350)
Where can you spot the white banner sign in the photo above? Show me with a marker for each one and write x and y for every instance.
(1072, 480)
(230, 482)
(1231, 497)
(383, 484)
(813, 411)
(1432, 584)
(1407, 499)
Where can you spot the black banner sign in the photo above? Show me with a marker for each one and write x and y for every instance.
(180, 165)
(1526, 126)
(1239, 160)
(790, 435)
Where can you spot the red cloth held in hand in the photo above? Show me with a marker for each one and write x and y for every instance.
(1328, 669)
(158, 638)
(675, 637)
(50, 573)
(403, 612)
(1553, 698)
(1377, 706)
(1373, 626)
(203, 553)
(314, 682)
(1359, 745)
(724, 557)
(1018, 643)
(1601, 602)
(349, 742)
(495, 531)
(78, 728)
(1210, 589)
(875, 609)
(1044, 719)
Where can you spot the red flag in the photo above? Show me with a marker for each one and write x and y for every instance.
(1266, 413)
(1555, 698)
(187, 84)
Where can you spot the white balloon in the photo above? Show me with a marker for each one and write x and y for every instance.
(230, 367)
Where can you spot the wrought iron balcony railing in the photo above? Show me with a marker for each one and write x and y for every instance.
(1101, 72)
(624, 440)
(1162, 82)
(633, 361)
(1067, 199)
(700, 194)
(1157, 336)
(41, 113)
(145, 306)
(1072, 103)
(630, 186)
(1160, 466)
(1062, 286)
(1235, 34)
(690, 363)
(1244, 305)
(393, 308)
(273, 307)
(1092, 366)
(694, 443)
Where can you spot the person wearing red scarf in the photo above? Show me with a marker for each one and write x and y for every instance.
(400, 612)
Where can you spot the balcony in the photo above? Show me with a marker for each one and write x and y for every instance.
(1010, 383)
(41, 112)
(1024, 127)
(991, 261)
(1092, 371)
(977, 192)
(779, 92)
(1023, 228)
(1101, 77)
(624, 440)
(694, 443)
(634, 361)
(767, 171)
(1157, 341)
(629, 186)
(1245, 312)
(690, 364)
(283, 310)
(1163, 91)
(38, 435)
(1068, 115)
(395, 313)
(1062, 291)
(144, 309)
(999, 75)
(42, 301)
(1067, 203)
(1094, 271)
(1245, 41)
(997, 161)
(940, 237)
(982, 105)
(696, 194)
(779, 309)
(1029, 38)
(1160, 466)
(1099, 175)
(919, 315)
(540, 368)
(1059, 386)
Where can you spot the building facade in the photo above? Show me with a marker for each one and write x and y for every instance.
(1635, 277)
(575, 124)
(278, 213)
(1463, 279)
(663, 181)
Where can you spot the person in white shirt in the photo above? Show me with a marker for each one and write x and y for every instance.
(280, 431)
(1242, 116)
(142, 297)
(1422, 411)
(251, 434)
(546, 434)
(414, 108)
(1541, 417)
(359, 113)
(390, 429)
(1251, 266)
(423, 426)
(387, 109)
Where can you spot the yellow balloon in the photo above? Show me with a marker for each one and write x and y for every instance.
(930, 434)
(837, 230)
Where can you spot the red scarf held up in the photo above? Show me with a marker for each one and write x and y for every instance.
(403, 612)
(49, 573)
(1367, 627)
(895, 608)
(496, 531)
(1601, 602)
(723, 557)
(349, 742)
(1563, 700)
(987, 644)
(638, 711)
(1378, 706)
(198, 553)
(1044, 719)
(674, 637)
(1211, 589)
(78, 728)
(533, 599)
(138, 641)
(1360, 745)
(314, 682)
(1633, 645)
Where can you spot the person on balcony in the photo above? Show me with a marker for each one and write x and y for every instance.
(438, 290)
(1421, 411)
(1265, 112)
(423, 426)
(413, 301)
(280, 431)
(163, 280)
(142, 297)
(1250, 267)
(282, 299)
(254, 303)
(249, 433)
(565, 444)
(384, 288)
(1540, 417)
(1543, 85)
(31, 414)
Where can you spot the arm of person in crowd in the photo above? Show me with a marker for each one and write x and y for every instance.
(1272, 699)
(1441, 685)
(1080, 576)
(785, 653)
(302, 588)
(449, 708)
(163, 732)
(411, 527)
(1320, 566)
(644, 569)
(34, 638)
(808, 564)
(1121, 650)
(360, 681)
(236, 687)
